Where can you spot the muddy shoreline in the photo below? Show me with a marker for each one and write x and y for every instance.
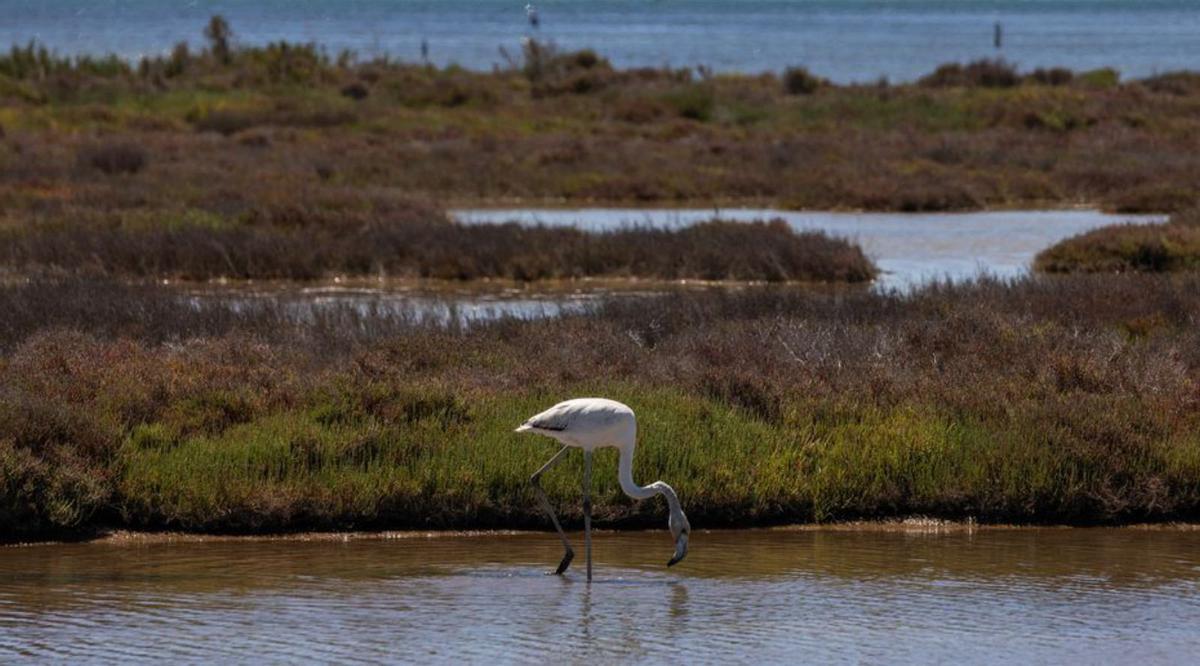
(913, 525)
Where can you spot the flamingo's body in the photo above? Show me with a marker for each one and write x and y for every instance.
(588, 424)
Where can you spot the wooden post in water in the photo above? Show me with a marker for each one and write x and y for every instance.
(998, 35)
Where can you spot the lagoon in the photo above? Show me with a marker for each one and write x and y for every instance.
(921, 594)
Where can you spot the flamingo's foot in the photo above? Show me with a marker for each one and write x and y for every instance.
(562, 566)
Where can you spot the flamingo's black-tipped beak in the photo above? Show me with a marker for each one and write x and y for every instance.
(681, 544)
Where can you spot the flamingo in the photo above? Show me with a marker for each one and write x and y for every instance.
(588, 424)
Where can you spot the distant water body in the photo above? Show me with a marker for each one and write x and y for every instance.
(845, 40)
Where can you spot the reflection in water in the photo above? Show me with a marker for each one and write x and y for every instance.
(985, 596)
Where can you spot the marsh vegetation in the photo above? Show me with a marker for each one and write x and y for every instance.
(1173, 246)
(424, 244)
(1039, 400)
(122, 404)
(218, 133)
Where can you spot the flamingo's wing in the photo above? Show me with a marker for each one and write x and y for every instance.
(582, 417)
(556, 419)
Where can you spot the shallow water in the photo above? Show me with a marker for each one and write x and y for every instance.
(983, 596)
(910, 248)
(845, 40)
(397, 300)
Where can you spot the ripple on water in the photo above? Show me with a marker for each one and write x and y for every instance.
(984, 596)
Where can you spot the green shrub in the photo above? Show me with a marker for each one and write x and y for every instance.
(980, 73)
(1099, 78)
(694, 101)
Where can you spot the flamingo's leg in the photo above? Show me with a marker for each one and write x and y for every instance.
(568, 554)
(587, 510)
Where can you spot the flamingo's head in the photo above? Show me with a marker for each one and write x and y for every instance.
(680, 530)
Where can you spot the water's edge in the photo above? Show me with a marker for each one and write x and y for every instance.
(913, 525)
(840, 40)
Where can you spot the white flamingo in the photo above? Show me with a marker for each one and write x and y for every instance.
(588, 424)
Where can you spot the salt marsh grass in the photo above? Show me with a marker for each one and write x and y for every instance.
(1067, 400)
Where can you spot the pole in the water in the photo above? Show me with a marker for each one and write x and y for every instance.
(998, 35)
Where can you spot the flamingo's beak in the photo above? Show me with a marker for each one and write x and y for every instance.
(681, 543)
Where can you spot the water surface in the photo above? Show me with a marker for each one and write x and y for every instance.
(399, 300)
(988, 596)
(845, 40)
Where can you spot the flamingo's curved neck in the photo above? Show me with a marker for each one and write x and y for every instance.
(631, 488)
(625, 476)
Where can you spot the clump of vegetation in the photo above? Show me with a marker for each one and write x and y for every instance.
(981, 73)
(1102, 78)
(1152, 248)
(552, 72)
(693, 101)
(1066, 400)
(1155, 197)
(799, 81)
(37, 63)
(219, 35)
(113, 157)
(1182, 84)
(356, 90)
(295, 244)
(1054, 76)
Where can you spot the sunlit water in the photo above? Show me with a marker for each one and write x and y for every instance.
(845, 40)
(910, 249)
(1083, 596)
